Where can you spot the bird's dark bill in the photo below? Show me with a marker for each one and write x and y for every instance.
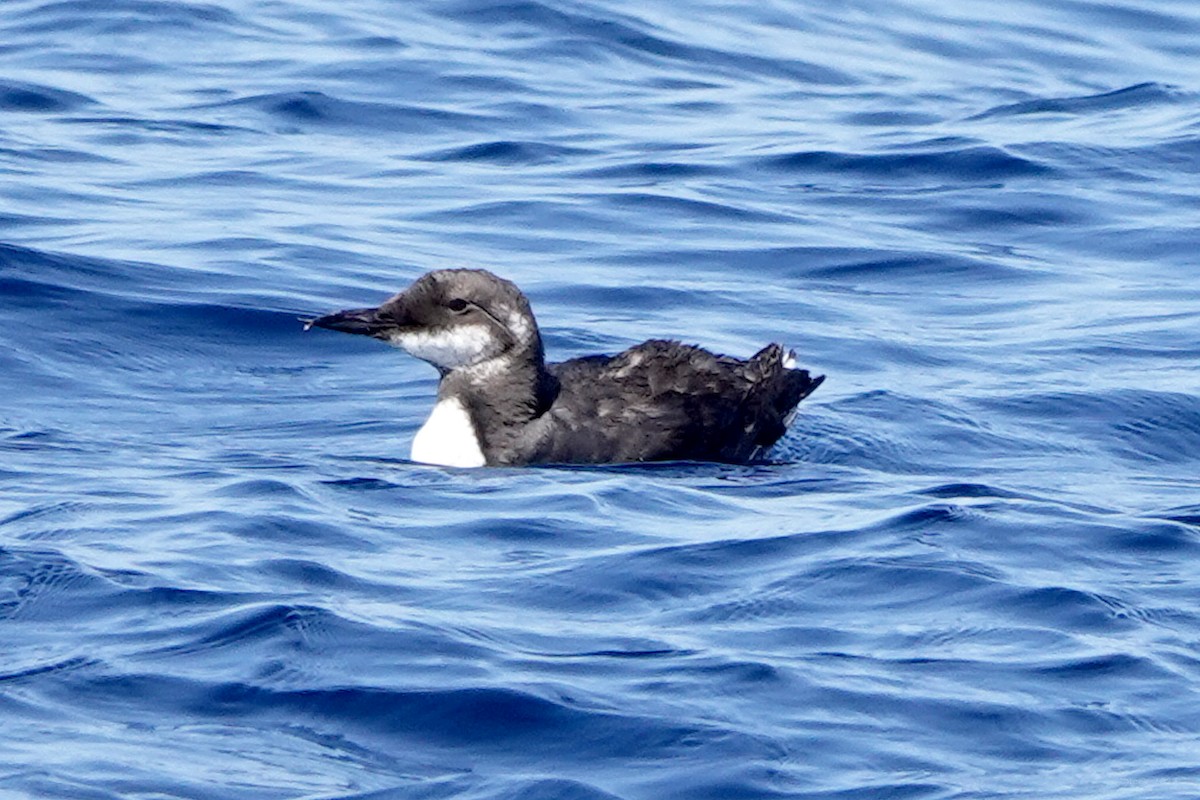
(365, 321)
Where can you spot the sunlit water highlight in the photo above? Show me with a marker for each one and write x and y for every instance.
(969, 571)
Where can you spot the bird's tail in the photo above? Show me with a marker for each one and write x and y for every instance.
(779, 388)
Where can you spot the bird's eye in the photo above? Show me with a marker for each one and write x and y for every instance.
(457, 305)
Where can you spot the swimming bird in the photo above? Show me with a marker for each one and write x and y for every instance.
(500, 403)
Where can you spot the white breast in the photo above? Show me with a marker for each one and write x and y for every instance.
(448, 437)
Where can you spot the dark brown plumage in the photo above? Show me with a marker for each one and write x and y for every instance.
(672, 401)
(660, 400)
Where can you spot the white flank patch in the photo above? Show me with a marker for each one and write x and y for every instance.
(789, 359)
(448, 437)
(448, 348)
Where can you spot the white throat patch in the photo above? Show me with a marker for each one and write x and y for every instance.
(448, 437)
(448, 348)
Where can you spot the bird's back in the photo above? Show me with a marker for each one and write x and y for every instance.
(663, 400)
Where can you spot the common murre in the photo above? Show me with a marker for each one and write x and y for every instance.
(499, 402)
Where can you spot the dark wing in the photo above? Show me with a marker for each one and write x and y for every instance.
(663, 400)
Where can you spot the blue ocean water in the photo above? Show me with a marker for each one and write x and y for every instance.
(970, 570)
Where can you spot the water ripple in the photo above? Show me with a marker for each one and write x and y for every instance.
(967, 571)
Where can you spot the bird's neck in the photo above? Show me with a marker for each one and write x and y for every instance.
(502, 395)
